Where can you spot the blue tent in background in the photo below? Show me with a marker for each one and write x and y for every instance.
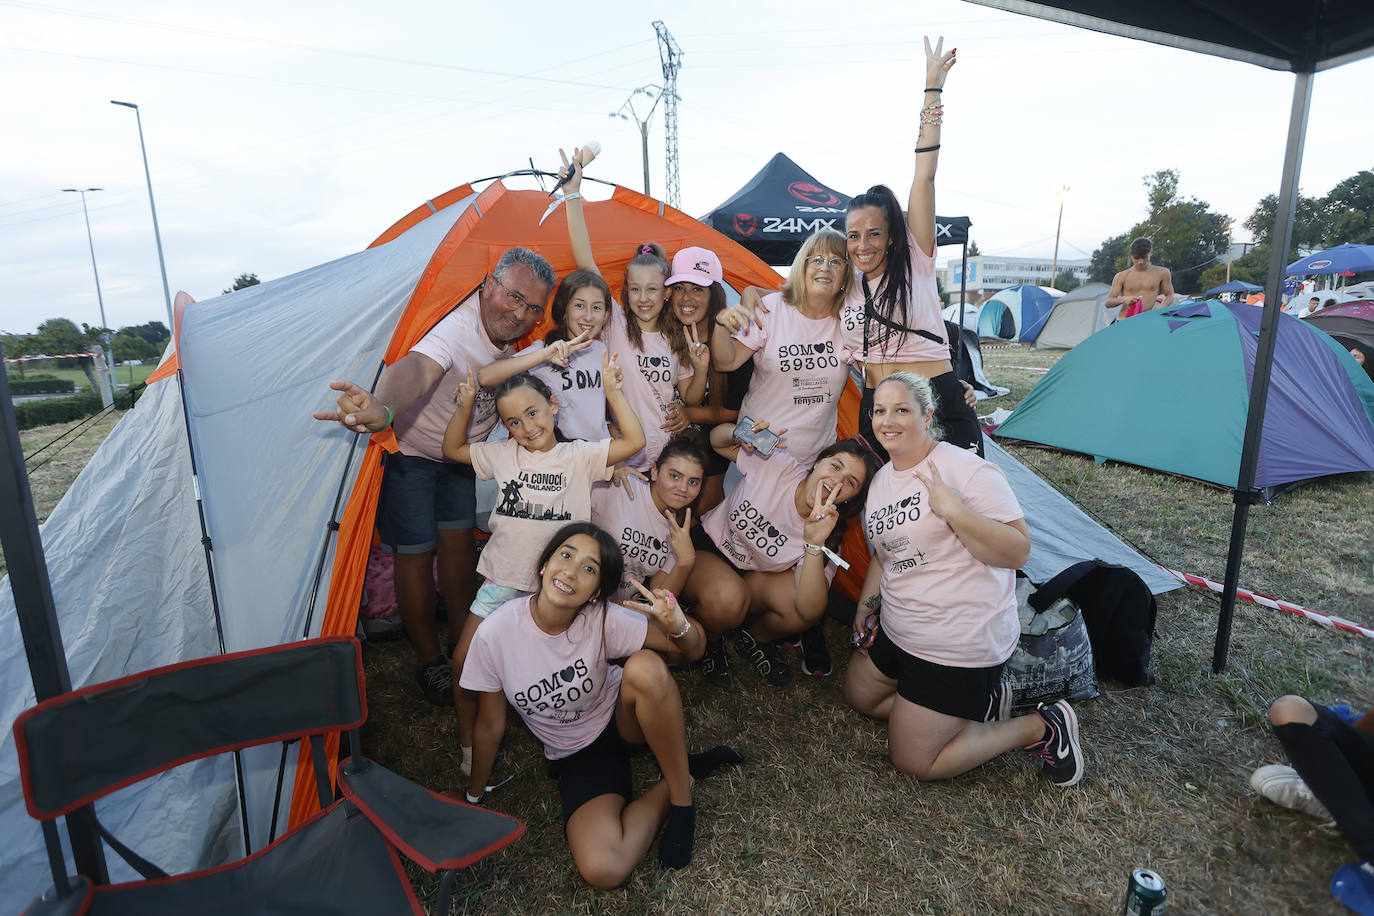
(1168, 390)
(1015, 313)
(1235, 286)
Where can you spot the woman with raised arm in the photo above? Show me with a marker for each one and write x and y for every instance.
(891, 313)
(548, 655)
(936, 618)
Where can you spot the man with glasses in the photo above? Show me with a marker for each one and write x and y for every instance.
(426, 502)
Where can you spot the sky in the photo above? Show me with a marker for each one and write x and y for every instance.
(285, 135)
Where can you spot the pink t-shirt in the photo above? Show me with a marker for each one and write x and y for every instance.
(638, 527)
(458, 341)
(922, 313)
(581, 395)
(650, 378)
(539, 492)
(800, 368)
(561, 685)
(758, 527)
(939, 602)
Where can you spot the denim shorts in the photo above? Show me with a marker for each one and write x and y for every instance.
(491, 596)
(422, 497)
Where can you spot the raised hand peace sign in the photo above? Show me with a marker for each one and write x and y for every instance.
(661, 606)
(823, 517)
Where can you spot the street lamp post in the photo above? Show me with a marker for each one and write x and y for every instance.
(105, 326)
(1054, 265)
(157, 236)
(654, 93)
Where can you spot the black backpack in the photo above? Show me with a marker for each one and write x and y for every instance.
(1119, 611)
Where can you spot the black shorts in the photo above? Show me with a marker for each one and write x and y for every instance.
(600, 768)
(704, 544)
(965, 693)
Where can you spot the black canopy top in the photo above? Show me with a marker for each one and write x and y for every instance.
(1304, 36)
(779, 207)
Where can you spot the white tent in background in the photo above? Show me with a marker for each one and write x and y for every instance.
(1077, 315)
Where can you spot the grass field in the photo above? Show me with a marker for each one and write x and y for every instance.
(817, 821)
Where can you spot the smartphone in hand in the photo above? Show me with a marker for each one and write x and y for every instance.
(762, 441)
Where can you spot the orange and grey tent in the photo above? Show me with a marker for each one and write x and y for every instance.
(288, 502)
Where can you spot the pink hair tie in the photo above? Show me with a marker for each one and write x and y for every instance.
(646, 249)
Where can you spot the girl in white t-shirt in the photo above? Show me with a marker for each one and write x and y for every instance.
(652, 521)
(547, 655)
(947, 537)
(649, 344)
(569, 359)
(542, 484)
(765, 550)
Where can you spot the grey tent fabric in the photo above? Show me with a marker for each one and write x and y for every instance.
(1062, 534)
(123, 546)
(1076, 317)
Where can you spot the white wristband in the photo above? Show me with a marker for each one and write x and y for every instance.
(834, 557)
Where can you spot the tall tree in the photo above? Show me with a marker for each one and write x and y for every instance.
(155, 332)
(243, 281)
(973, 251)
(1348, 211)
(1309, 230)
(1188, 237)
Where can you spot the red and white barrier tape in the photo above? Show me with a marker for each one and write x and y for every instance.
(25, 359)
(1326, 620)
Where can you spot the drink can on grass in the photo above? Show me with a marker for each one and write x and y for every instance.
(1145, 894)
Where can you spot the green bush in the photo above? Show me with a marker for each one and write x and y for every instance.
(56, 410)
(45, 385)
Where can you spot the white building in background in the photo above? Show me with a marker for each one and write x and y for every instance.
(987, 273)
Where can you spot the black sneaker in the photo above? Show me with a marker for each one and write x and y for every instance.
(815, 655)
(764, 656)
(436, 681)
(1063, 758)
(714, 665)
(999, 704)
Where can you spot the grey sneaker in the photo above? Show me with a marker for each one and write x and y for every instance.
(1059, 750)
(436, 681)
(1282, 785)
(999, 704)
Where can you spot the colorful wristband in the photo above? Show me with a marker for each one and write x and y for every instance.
(389, 418)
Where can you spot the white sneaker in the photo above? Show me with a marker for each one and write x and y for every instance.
(1282, 785)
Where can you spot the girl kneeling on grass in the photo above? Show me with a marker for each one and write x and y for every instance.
(763, 550)
(543, 483)
(947, 537)
(548, 655)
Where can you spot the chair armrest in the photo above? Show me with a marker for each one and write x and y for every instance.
(75, 903)
(433, 831)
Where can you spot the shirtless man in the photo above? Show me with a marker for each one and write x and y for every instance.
(1141, 283)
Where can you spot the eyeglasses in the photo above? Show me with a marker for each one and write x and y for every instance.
(820, 261)
(519, 299)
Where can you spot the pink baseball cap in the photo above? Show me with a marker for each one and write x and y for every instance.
(696, 265)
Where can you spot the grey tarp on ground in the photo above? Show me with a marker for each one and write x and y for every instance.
(1061, 533)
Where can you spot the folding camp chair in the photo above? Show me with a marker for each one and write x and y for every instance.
(78, 747)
